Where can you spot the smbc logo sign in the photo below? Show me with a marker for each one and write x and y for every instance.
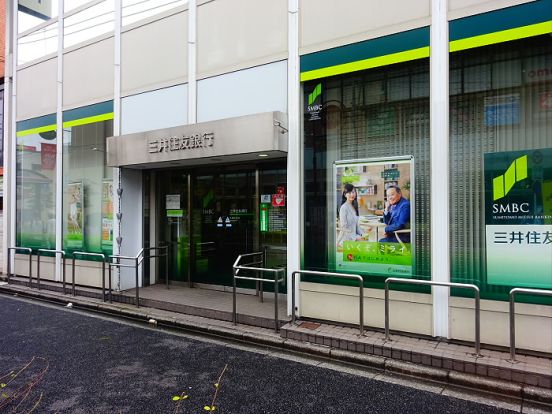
(516, 172)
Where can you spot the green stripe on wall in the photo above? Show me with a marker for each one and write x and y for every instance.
(500, 37)
(88, 111)
(495, 21)
(512, 23)
(38, 122)
(36, 130)
(382, 46)
(408, 55)
(88, 120)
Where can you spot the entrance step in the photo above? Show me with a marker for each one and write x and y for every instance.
(441, 360)
(206, 303)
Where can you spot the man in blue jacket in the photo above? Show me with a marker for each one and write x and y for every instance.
(396, 215)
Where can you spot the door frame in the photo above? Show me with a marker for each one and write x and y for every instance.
(191, 173)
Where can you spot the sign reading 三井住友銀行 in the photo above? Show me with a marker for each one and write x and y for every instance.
(518, 218)
(182, 143)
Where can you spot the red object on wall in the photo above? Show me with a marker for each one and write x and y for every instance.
(48, 156)
(278, 200)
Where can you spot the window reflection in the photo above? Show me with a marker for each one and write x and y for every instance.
(36, 189)
(87, 189)
(37, 44)
(89, 23)
(32, 13)
(135, 10)
(73, 4)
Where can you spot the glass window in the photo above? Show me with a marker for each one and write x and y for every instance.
(89, 23)
(503, 114)
(37, 44)
(33, 13)
(87, 188)
(69, 5)
(36, 189)
(135, 10)
(377, 119)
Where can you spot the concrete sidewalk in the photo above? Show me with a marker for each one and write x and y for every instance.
(529, 378)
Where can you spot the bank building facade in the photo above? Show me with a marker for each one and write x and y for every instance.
(403, 139)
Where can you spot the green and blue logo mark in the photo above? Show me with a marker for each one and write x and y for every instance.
(315, 94)
(516, 172)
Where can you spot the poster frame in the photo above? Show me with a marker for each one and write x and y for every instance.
(490, 223)
(412, 199)
(80, 185)
(107, 244)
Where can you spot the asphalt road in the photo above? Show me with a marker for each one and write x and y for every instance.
(56, 360)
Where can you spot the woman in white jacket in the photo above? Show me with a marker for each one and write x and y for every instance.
(349, 228)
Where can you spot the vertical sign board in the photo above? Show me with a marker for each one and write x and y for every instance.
(374, 227)
(74, 239)
(518, 218)
(107, 215)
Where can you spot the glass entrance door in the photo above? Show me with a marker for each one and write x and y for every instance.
(174, 225)
(209, 218)
(224, 224)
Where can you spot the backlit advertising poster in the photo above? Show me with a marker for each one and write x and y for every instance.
(74, 238)
(107, 215)
(518, 218)
(374, 216)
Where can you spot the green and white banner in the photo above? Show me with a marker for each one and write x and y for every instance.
(374, 219)
(518, 218)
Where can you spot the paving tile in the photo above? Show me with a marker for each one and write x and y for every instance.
(545, 382)
(436, 361)
(416, 358)
(531, 379)
(447, 363)
(481, 369)
(426, 359)
(469, 368)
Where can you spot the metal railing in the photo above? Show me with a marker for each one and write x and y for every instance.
(266, 251)
(164, 254)
(513, 292)
(329, 274)
(30, 253)
(138, 259)
(282, 251)
(445, 284)
(236, 268)
(56, 252)
(86, 254)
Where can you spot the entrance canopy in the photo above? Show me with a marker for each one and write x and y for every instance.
(240, 139)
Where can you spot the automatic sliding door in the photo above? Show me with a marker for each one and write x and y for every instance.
(223, 223)
(174, 224)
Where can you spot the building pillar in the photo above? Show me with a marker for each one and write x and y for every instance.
(10, 143)
(59, 143)
(192, 58)
(439, 115)
(117, 187)
(295, 148)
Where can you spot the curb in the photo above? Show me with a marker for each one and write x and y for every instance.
(381, 363)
